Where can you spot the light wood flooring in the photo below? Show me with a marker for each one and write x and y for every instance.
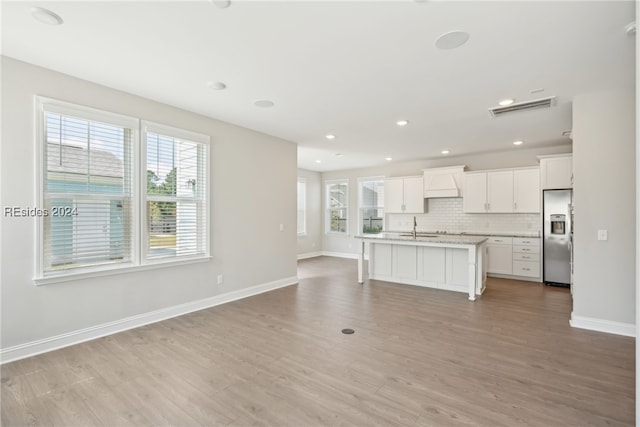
(419, 357)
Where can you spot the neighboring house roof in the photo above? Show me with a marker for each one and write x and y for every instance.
(76, 161)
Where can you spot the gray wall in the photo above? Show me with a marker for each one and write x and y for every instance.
(604, 198)
(253, 191)
(515, 157)
(311, 243)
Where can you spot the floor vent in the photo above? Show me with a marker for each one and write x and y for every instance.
(523, 106)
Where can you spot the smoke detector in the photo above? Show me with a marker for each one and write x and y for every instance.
(536, 104)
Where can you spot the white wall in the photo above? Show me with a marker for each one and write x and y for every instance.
(311, 243)
(253, 191)
(514, 157)
(604, 198)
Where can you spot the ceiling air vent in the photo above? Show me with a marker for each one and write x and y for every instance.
(523, 106)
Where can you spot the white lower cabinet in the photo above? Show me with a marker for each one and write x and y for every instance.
(500, 254)
(518, 257)
(457, 270)
(526, 257)
(382, 253)
(431, 267)
(405, 261)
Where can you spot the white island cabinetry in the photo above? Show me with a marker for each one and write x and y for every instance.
(455, 263)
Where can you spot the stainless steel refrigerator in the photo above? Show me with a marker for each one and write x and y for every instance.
(557, 212)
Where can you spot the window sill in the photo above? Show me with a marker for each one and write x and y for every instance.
(101, 272)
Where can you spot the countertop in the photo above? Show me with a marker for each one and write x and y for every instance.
(479, 233)
(451, 239)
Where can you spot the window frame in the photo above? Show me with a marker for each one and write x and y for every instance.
(361, 208)
(303, 181)
(147, 127)
(328, 208)
(136, 167)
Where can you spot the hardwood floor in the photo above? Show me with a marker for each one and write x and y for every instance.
(419, 357)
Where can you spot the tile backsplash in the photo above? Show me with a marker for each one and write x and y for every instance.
(446, 214)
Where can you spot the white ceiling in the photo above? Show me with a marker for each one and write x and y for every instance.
(347, 68)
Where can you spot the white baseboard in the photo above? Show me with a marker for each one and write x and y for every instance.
(343, 255)
(309, 255)
(33, 348)
(600, 325)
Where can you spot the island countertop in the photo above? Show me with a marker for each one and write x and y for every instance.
(449, 239)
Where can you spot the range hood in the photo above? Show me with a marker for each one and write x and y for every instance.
(443, 182)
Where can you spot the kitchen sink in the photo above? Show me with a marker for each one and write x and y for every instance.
(418, 235)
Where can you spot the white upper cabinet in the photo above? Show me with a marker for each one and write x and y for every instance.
(556, 171)
(404, 195)
(526, 190)
(502, 191)
(475, 192)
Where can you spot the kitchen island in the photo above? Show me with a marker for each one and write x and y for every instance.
(451, 262)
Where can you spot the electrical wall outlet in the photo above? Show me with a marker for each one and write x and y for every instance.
(281, 227)
(602, 235)
(219, 279)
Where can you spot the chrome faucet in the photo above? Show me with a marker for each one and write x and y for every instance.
(415, 224)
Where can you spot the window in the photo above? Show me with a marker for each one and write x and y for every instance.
(337, 207)
(371, 205)
(176, 188)
(302, 206)
(93, 195)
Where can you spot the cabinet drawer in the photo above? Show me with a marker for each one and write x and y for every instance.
(500, 240)
(524, 256)
(524, 241)
(526, 268)
(526, 249)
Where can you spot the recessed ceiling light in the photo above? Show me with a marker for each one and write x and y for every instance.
(518, 142)
(330, 136)
(445, 151)
(452, 40)
(506, 102)
(263, 103)
(318, 161)
(216, 85)
(388, 159)
(222, 4)
(402, 122)
(45, 16)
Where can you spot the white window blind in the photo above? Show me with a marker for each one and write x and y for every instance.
(87, 190)
(176, 193)
(302, 206)
(117, 194)
(337, 198)
(371, 205)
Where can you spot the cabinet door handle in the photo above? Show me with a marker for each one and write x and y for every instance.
(526, 241)
(525, 250)
(498, 241)
(488, 206)
(515, 206)
(526, 269)
(526, 257)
